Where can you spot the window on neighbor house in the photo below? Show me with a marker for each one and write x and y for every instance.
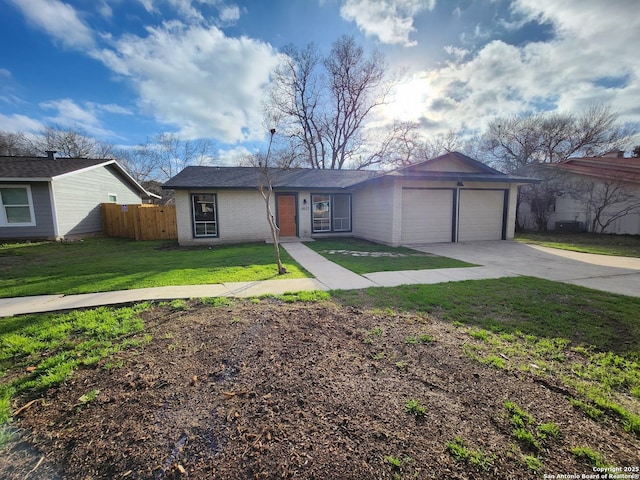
(113, 198)
(16, 206)
(205, 223)
(331, 212)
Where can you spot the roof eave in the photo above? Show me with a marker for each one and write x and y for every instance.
(25, 179)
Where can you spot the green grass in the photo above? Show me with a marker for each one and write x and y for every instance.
(460, 451)
(106, 264)
(341, 251)
(621, 245)
(40, 351)
(544, 309)
(414, 407)
(590, 456)
(586, 340)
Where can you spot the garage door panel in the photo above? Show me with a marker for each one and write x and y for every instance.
(427, 216)
(481, 215)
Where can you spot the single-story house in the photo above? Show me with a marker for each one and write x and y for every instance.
(452, 198)
(54, 198)
(584, 185)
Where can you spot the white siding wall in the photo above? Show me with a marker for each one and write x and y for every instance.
(511, 212)
(78, 197)
(375, 212)
(304, 214)
(241, 217)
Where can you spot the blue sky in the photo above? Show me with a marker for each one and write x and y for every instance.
(124, 70)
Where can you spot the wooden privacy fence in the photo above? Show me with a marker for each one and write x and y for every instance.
(142, 222)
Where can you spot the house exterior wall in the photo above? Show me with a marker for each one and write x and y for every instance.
(304, 213)
(78, 198)
(374, 212)
(241, 217)
(44, 226)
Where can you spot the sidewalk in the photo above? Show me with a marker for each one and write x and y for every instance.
(328, 276)
(500, 259)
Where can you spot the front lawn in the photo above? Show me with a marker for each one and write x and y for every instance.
(106, 264)
(507, 378)
(621, 245)
(361, 256)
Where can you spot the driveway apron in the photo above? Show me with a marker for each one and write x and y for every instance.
(601, 272)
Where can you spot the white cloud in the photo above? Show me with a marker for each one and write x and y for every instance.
(591, 59)
(68, 113)
(189, 9)
(389, 20)
(19, 124)
(229, 14)
(197, 79)
(59, 20)
(231, 157)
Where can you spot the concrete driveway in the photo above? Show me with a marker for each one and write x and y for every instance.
(601, 272)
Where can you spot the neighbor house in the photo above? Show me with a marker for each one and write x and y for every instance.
(452, 198)
(49, 197)
(591, 193)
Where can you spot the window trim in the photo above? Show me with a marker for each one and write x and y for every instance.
(331, 216)
(4, 222)
(115, 197)
(215, 215)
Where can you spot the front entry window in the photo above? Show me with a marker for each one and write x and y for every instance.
(321, 213)
(331, 212)
(205, 222)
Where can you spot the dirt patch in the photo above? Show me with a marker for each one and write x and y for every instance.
(311, 391)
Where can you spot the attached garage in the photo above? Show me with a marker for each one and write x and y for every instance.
(437, 215)
(482, 215)
(427, 215)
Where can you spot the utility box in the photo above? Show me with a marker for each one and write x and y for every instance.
(568, 227)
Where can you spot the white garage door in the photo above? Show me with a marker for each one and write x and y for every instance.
(481, 214)
(427, 216)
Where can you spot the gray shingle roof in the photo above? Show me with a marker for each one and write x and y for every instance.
(248, 177)
(305, 178)
(42, 167)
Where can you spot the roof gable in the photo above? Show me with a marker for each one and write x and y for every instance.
(44, 169)
(451, 162)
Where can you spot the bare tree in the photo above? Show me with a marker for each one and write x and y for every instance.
(607, 200)
(516, 142)
(324, 102)
(163, 156)
(265, 177)
(13, 144)
(519, 144)
(70, 143)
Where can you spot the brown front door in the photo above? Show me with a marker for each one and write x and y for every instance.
(287, 215)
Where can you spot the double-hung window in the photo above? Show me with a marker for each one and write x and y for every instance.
(331, 212)
(16, 206)
(205, 215)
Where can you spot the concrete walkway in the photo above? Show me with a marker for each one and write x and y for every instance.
(495, 260)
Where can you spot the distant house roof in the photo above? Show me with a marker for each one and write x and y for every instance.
(247, 177)
(609, 167)
(44, 169)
